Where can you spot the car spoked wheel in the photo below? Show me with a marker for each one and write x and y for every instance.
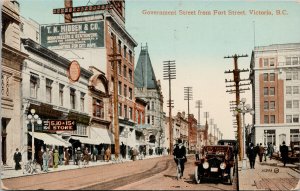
(197, 177)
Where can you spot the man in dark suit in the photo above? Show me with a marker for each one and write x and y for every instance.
(251, 152)
(284, 153)
(17, 159)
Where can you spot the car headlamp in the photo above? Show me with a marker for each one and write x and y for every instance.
(205, 165)
(223, 165)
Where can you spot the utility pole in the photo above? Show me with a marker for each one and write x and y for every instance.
(169, 69)
(206, 115)
(198, 106)
(237, 91)
(211, 122)
(188, 95)
(115, 58)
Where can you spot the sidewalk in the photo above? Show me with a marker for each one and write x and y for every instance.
(269, 175)
(12, 173)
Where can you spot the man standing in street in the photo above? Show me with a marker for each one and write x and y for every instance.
(251, 152)
(46, 157)
(180, 153)
(284, 153)
(17, 159)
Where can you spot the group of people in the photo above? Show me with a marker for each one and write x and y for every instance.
(262, 151)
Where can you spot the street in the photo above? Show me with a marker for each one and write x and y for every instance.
(155, 174)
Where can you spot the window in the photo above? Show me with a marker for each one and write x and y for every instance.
(130, 55)
(266, 119)
(266, 105)
(120, 109)
(295, 118)
(119, 68)
(130, 112)
(130, 93)
(270, 137)
(295, 60)
(296, 104)
(288, 76)
(266, 91)
(266, 62)
(37, 34)
(125, 111)
(288, 90)
(272, 77)
(148, 106)
(288, 60)
(72, 98)
(148, 119)
(98, 108)
(294, 135)
(125, 51)
(272, 61)
(152, 121)
(81, 129)
(120, 88)
(272, 105)
(112, 41)
(33, 86)
(295, 89)
(119, 46)
(289, 104)
(125, 90)
(130, 75)
(272, 119)
(295, 76)
(137, 116)
(125, 71)
(152, 105)
(82, 101)
(61, 94)
(272, 91)
(49, 90)
(289, 118)
(266, 78)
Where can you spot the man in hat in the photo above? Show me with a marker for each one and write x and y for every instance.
(284, 153)
(179, 152)
(17, 159)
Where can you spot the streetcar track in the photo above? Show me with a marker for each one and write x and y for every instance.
(113, 184)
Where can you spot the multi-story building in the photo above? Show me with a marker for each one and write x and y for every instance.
(192, 132)
(275, 77)
(149, 89)
(10, 70)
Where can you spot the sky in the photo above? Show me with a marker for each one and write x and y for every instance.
(198, 43)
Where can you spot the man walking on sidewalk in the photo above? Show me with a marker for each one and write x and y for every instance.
(251, 151)
(284, 153)
(261, 152)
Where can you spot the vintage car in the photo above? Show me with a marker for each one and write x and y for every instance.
(216, 162)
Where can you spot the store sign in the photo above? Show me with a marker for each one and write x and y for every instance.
(82, 9)
(73, 35)
(59, 125)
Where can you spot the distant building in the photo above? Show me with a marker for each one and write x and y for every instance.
(192, 133)
(149, 89)
(275, 78)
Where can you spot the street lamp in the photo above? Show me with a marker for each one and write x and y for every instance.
(242, 108)
(32, 118)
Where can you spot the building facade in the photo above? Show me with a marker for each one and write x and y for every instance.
(192, 133)
(11, 65)
(275, 72)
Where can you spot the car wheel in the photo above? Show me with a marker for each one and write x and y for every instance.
(197, 177)
(230, 176)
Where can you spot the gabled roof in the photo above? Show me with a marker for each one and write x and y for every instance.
(143, 74)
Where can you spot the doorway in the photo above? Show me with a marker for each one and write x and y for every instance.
(4, 122)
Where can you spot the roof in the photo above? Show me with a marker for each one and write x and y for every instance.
(144, 76)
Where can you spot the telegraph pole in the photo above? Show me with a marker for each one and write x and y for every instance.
(206, 115)
(188, 95)
(169, 69)
(198, 106)
(115, 58)
(237, 91)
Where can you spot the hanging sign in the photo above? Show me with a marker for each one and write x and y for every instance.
(59, 125)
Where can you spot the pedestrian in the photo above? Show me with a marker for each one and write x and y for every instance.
(257, 149)
(78, 156)
(123, 150)
(107, 154)
(102, 154)
(251, 152)
(46, 157)
(271, 150)
(86, 157)
(40, 157)
(284, 151)
(95, 154)
(17, 159)
(134, 154)
(261, 152)
(265, 153)
(50, 164)
(197, 154)
(56, 158)
(66, 156)
(168, 150)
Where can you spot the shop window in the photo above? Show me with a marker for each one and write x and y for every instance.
(294, 135)
(270, 137)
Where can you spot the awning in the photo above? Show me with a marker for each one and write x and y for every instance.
(102, 135)
(50, 139)
(86, 140)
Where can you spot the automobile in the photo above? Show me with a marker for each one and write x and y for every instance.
(216, 162)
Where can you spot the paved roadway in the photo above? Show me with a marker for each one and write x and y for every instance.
(151, 174)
